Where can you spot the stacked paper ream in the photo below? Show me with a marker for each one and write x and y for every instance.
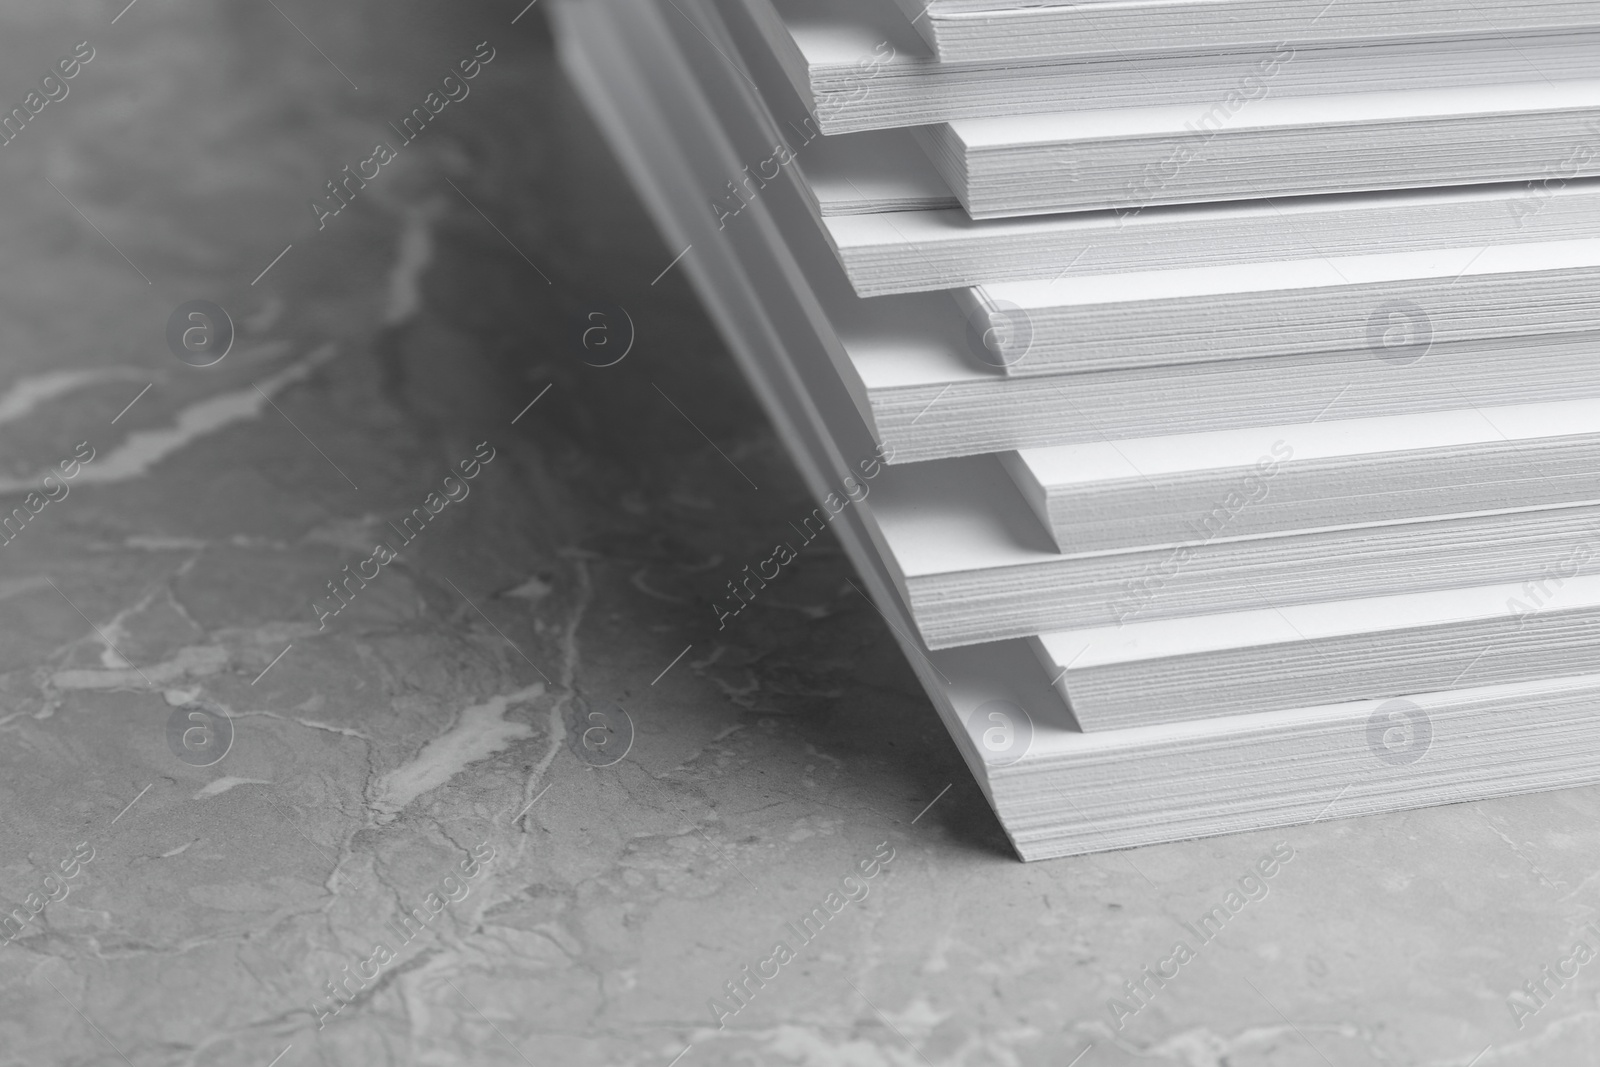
(1254, 142)
(1198, 517)
(978, 30)
(860, 66)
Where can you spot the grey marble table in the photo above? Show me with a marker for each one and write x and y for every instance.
(318, 750)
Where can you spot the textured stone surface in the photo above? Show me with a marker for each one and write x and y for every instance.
(444, 710)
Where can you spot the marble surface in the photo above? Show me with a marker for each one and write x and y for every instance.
(450, 740)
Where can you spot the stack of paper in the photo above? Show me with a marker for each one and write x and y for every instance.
(1132, 157)
(1008, 31)
(1243, 476)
